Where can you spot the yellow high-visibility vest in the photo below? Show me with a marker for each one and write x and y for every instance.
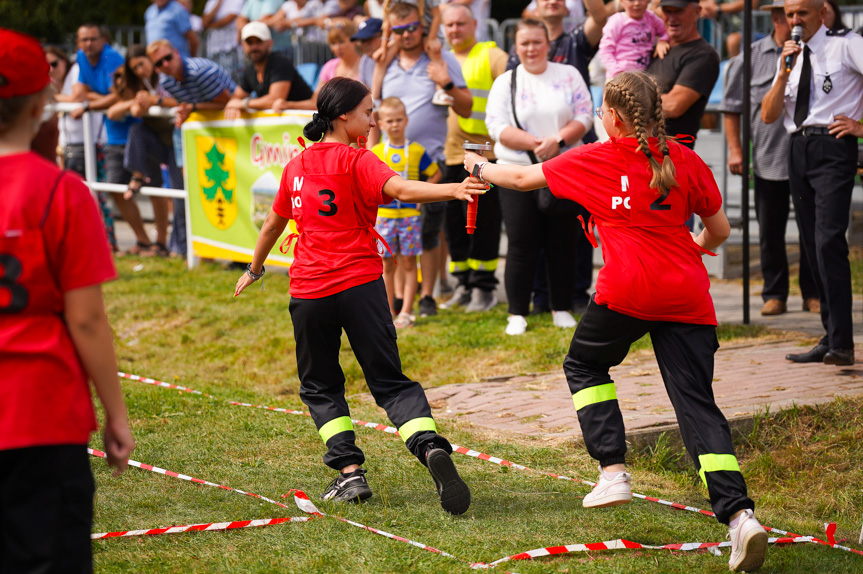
(477, 75)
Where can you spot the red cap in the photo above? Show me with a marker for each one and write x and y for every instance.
(23, 67)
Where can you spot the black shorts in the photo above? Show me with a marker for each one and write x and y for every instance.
(114, 170)
(46, 509)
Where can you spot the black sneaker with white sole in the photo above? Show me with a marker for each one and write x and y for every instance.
(454, 493)
(348, 487)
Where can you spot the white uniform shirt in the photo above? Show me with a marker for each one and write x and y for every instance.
(837, 57)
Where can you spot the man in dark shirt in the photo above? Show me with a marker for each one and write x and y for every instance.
(270, 80)
(689, 70)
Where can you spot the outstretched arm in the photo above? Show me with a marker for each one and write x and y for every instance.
(410, 191)
(517, 177)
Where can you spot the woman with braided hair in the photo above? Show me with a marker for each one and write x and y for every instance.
(641, 187)
(332, 191)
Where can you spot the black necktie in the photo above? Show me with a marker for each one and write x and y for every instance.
(801, 108)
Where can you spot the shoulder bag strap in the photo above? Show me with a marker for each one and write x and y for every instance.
(530, 153)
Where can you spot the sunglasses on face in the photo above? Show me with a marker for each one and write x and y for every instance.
(161, 61)
(409, 28)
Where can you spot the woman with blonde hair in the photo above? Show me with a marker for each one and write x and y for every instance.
(641, 187)
(346, 60)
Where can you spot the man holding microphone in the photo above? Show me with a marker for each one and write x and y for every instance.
(818, 90)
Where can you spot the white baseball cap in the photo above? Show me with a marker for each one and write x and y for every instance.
(256, 30)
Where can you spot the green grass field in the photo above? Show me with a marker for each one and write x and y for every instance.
(184, 327)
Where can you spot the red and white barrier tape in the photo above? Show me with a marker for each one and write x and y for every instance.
(499, 461)
(306, 505)
(622, 544)
(158, 470)
(208, 527)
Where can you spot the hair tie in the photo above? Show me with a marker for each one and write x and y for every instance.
(648, 154)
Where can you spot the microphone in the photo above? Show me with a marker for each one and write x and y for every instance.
(796, 35)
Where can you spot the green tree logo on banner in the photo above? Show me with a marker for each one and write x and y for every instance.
(218, 175)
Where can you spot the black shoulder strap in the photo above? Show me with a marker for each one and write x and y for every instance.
(51, 199)
(530, 153)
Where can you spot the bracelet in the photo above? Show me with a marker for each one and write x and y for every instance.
(195, 106)
(253, 275)
(246, 104)
(159, 101)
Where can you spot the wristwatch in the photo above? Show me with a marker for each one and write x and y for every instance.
(449, 86)
(561, 143)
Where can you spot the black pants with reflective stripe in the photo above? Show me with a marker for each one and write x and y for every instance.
(363, 313)
(684, 353)
(821, 172)
(484, 244)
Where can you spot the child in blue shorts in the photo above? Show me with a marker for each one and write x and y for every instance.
(399, 223)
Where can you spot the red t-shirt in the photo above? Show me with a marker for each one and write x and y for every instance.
(333, 191)
(653, 268)
(44, 252)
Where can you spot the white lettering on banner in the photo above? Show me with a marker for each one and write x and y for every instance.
(624, 183)
(617, 200)
(266, 154)
(298, 183)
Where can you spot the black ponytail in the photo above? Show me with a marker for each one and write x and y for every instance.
(338, 96)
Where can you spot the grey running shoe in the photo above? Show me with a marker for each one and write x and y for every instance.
(454, 493)
(427, 307)
(481, 300)
(460, 297)
(348, 487)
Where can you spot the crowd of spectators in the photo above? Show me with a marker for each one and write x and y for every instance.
(532, 104)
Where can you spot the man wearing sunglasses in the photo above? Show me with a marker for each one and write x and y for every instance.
(414, 77)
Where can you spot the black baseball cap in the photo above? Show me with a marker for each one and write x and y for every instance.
(368, 29)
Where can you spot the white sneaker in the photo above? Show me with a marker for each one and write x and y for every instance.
(481, 300)
(460, 297)
(563, 319)
(516, 325)
(748, 543)
(612, 492)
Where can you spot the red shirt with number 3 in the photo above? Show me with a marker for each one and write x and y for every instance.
(332, 191)
(52, 240)
(653, 268)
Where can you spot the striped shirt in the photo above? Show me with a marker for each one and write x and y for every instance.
(203, 80)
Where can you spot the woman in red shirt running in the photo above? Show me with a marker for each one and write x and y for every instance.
(332, 191)
(641, 189)
(54, 337)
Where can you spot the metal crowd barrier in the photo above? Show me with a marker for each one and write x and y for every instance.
(90, 168)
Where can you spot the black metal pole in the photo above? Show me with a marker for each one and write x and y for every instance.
(746, 133)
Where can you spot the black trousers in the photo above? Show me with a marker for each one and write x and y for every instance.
(821, 171)
(772, 206)
(46, 510)
(684, 353)
(363, 313)
(474, 257)
(528, 230)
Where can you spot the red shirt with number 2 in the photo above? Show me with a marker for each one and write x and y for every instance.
(653, 268)
(332, 191)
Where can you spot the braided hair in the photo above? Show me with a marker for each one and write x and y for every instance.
(637, 98)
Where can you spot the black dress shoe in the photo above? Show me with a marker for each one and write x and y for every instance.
(816, 355)
(843, 357)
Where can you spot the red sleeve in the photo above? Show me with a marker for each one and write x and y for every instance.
(78, 244)
(707, 198)
(578, 174)
(282, 202)
(372, 173)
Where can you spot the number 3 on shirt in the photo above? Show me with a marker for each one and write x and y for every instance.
(329, 203)
(17, 298)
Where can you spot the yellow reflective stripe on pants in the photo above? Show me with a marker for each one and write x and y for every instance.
(416, 425)
(336, 426)
(458, 266)
(593, 395)
(478, 265)
(714, 462)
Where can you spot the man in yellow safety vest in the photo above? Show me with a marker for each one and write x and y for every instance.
(474, 257)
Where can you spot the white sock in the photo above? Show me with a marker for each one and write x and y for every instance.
(611, 475)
